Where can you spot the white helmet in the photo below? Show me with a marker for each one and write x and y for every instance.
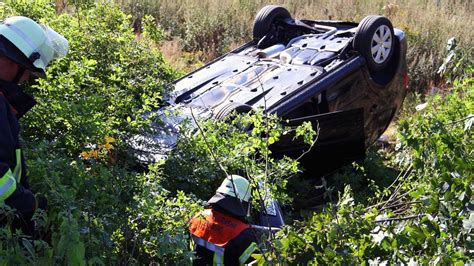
(236, 186)
(233, 196)
(38, 43)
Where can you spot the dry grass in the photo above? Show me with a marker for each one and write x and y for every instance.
(213, 27)
(175, 55)
(172, 50)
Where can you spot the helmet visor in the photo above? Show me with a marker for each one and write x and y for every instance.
(59, 44)
(230, 204)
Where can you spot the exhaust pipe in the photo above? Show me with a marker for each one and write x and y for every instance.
(271, 51)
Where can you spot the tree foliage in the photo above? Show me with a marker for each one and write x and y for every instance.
(424, 216)
(100, 211)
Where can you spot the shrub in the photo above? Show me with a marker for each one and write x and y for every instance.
(104, 85)
(203, 158)
(424, 216)
(91, 102)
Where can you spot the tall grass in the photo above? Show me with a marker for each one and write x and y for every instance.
(212, 27)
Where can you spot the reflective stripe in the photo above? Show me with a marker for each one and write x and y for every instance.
(29, 41)
(218, 259)
(244, 257)
(7, 185)
(218, 251)
(208, 245)
(17, 170)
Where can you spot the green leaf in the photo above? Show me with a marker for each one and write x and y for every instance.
(468, 223)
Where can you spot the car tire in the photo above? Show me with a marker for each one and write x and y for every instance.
(266, 18)
(375, 40)
(226, 111)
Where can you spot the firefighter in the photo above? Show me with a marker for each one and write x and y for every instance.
(26, 48)
(220, 233)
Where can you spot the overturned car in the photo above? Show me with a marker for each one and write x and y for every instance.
(349, 79)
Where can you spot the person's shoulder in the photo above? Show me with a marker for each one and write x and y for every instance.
(248, 235)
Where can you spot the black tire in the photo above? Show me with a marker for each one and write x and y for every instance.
(266, 18)
(375, 40)
(230, 108)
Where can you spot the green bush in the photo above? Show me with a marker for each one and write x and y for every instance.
(425, 215)
(203, 158)
(104, 85)
(75, 139)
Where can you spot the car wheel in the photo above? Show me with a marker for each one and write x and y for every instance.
(375, 41)
(226, 111)
(266, 18)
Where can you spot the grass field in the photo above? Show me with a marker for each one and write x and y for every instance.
(201, 30)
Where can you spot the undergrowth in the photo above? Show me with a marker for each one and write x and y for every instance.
(422, 215)
(101, 210)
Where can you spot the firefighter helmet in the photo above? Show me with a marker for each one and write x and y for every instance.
(36, 44)
(236, 186)
(233, 196)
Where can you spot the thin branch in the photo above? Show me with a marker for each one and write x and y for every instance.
(399, 205)
(399, 175)
(400, 219)
(207, 144)
(267, 147)
(216, 160)
(262, 207)
(390, 201)
(311, 146)
(471, 116)
(407, 173)
(402, 173)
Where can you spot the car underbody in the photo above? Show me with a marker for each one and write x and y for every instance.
(347, 79)
(301, 70)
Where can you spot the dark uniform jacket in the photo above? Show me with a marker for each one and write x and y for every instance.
(221, 239)
(14, 187)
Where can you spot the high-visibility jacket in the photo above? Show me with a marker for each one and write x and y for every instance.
(221, 239)
(14, 187)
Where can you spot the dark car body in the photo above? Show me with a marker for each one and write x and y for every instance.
(301, 70)
(348, 79)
